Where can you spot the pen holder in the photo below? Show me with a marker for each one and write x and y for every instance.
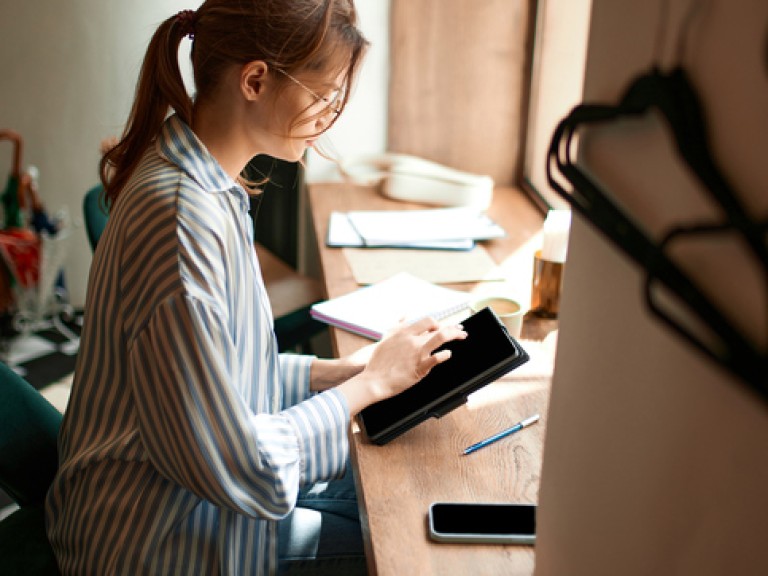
(547, 285)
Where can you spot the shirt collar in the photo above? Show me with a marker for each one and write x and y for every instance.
(178, 144)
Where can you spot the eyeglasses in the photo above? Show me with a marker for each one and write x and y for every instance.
(333, 102)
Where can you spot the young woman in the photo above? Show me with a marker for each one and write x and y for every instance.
(189, 443)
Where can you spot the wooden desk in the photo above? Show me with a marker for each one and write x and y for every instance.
(397, 482)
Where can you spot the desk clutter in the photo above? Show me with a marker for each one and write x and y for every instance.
(499, 268)
(33, 247)
(432, 449)
(437, 245)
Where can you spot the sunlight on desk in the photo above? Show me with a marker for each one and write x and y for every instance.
(527, 380)
(517, 273)
(397, 482)
(439, 266)
(500, 391)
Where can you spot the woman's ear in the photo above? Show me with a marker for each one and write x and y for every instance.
(253, 77)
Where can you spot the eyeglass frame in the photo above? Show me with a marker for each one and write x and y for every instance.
(336, 110)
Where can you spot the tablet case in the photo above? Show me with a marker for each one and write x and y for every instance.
(484, 356)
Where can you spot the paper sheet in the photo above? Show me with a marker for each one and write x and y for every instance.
(398, 227)
(370, 266)
(341, 234)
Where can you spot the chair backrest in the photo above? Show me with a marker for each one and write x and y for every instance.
(28, 440)
(95, 213)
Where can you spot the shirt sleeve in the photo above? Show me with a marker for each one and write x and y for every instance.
(294, 371)
(200, 432)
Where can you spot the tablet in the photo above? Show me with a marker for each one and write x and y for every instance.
(484, 356)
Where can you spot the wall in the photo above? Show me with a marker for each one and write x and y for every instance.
(655, 459)
(362, 129)
(69, 71)
(459, 83)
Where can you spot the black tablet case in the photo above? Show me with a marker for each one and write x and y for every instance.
(484, 356)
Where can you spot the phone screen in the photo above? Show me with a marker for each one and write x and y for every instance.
(457, 522)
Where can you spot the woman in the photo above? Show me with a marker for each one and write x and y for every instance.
(188, 438)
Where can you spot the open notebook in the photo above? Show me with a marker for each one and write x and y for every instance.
(373, 310)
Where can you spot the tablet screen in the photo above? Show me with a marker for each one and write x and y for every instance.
(487, 352)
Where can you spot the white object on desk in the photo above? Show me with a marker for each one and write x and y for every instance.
(414, 179)
(394, 227)
(509, 311)
(556, 228)
(342, 234)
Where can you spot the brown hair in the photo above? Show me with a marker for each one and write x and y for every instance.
(290, 35)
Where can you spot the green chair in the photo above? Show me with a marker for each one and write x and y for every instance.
(95, 212)
(291, 295)
(28, 463)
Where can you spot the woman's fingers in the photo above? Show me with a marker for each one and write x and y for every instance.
(438, 358)
(409, 352)
(445, 334)
(431, 356)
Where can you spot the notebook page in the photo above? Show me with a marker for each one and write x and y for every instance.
(373, 310)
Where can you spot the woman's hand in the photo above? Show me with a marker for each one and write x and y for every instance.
(402, 358)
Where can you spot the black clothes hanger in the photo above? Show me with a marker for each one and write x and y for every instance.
(710, 343)
(673, 96)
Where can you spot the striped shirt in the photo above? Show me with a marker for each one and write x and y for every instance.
(187, 435)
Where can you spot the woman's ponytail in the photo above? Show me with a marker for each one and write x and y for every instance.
(160, 87)
(289, 35)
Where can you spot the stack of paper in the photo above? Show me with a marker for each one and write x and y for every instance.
(438, 228)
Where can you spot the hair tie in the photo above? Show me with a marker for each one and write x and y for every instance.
(187, 19)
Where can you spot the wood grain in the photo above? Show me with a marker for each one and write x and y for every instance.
(459, 83)
(397, 482)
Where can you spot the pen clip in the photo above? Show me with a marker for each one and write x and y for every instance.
(530, 420)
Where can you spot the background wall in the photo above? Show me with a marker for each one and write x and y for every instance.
(459, 83)
(655, 459)
(68, 72)
(362, 129)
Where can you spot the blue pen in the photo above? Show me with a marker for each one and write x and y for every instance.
(503, 434)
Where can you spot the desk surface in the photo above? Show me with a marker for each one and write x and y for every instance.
(397, 482)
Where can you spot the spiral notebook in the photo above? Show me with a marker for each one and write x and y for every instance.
(373, 310)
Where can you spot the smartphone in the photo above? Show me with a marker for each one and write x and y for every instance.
(482, 523)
